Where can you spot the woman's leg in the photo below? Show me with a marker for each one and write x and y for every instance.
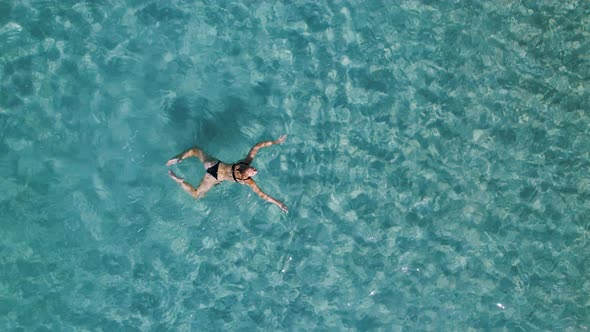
(206, 183)
(206, 159)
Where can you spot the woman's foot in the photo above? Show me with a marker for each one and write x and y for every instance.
(173, 161)
(175, 177)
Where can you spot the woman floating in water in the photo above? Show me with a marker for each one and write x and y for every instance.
(218, 171)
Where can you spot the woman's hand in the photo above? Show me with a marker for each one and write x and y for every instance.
(176, 178)
(284, 207)
(281, 139)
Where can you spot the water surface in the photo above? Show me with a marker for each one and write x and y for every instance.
(436, 168)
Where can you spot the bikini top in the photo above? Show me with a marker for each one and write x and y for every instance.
(233, 170)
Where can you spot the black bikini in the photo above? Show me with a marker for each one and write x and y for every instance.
(213, 170)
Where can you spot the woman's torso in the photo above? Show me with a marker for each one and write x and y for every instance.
(225, 172)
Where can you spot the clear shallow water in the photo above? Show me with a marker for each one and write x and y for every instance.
(436, 168)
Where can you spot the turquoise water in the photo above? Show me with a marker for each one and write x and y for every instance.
(436, 168)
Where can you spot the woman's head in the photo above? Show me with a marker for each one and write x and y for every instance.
(246, 171)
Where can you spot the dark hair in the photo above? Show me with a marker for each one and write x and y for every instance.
(241, 169)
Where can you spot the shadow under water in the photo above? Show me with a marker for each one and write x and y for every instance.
(200, 121)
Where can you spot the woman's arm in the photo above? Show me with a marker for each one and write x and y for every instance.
(264, 196)
(264, 144)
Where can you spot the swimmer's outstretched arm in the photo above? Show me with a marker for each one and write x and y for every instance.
(266, 197)
(264, 144)
(196, 193)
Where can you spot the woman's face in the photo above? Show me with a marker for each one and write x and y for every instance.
(249, 171)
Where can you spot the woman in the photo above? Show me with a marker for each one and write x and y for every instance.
(218, 171)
